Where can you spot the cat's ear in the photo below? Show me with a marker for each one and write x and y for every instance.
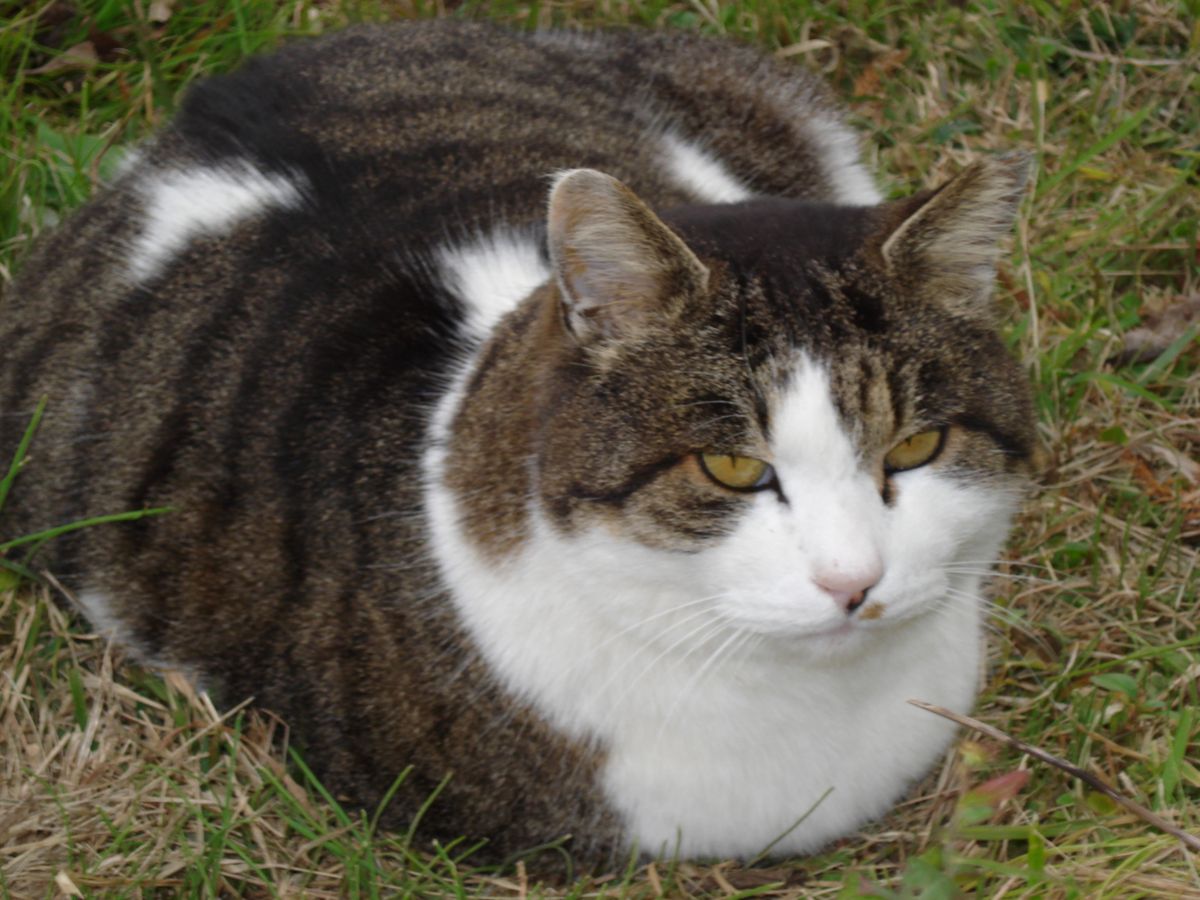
(947, 245)
(616, 263)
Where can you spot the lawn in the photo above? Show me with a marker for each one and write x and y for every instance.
(118, 782)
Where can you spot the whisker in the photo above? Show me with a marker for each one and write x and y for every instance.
(1021, 579)
(694, 682)
(1000, 562)
(995, 610)
(658, 615)
(701, 635)
(707, 623)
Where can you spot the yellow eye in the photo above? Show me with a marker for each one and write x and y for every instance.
(914, 451)
(740, 473)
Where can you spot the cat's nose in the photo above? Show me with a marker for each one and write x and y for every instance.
(848, 588)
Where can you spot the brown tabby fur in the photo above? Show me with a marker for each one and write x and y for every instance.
(271, 384)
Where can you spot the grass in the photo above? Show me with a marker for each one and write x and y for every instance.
(119, 782)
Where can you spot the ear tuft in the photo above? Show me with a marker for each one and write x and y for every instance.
(616, 263)
(950, 243)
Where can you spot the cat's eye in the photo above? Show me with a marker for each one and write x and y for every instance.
(914, 451)
(739, 473)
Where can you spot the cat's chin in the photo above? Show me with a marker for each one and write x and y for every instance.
(842, 641)
(845, 640)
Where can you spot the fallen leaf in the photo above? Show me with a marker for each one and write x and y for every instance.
(1145, 477)
(160, 11)
(1002, 787)
(66, 885)
(1159, 330)
(868, 82)
(1181, 462)
(80, 56)
(981, 803)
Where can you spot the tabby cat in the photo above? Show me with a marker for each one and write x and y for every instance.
(565, 414)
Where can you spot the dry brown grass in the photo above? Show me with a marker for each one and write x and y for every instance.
(114, 782)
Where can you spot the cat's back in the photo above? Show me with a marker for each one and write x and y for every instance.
(423, 130)
(436, 126)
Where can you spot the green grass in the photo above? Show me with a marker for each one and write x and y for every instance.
(26, 546)
(125, 784)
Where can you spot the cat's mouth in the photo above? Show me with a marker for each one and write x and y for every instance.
(840, 631)
(840, 642)
(874, 618)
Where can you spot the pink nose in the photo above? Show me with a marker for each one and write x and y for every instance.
(848, 588)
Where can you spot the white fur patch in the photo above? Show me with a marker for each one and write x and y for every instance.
(97, 609)
(492, 274)
(181, 205)
(728, 691)
(130, 160)
(700, 173)
(838, 149)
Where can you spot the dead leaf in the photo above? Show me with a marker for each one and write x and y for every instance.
(1159, 329)
(160, 11)
(81, 56)
(1003, 787)
(1144, 475)
(1181, 462)
(66, 886)
(867, 83)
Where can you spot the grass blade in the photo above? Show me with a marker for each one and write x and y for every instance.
(22, 451)
(50, 533)
(1117, 134)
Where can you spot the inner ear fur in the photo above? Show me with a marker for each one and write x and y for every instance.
(616, 264)
(947, 242)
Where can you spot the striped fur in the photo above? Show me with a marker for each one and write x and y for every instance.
(431, 450)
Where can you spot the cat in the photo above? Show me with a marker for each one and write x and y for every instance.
(565, 417)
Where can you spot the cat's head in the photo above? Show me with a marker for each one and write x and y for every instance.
(803, 412)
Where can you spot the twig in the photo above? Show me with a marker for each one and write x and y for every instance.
(1189, 840)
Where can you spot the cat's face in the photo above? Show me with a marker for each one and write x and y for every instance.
(819, 441)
